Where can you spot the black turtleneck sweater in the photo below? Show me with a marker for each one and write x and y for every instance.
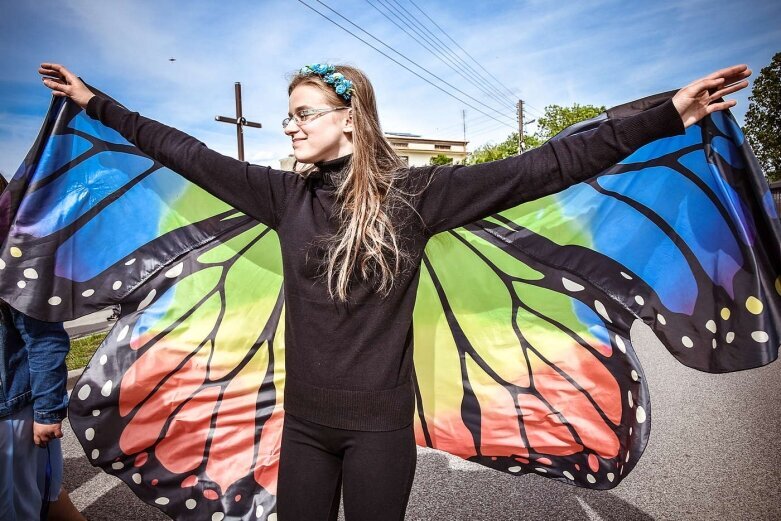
(349, 365)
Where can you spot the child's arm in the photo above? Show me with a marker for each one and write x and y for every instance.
(47, 345)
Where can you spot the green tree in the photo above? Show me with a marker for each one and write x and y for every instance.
(440, 159)
(555, 119)
(507, 148)
(763, 119)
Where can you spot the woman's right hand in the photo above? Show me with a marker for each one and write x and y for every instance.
(63, 82)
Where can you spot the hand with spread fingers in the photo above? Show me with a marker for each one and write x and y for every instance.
(63, 82)
(700, 98)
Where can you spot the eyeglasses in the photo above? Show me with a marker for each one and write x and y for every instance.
(305, 116)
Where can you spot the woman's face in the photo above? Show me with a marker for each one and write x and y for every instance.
(323, 136)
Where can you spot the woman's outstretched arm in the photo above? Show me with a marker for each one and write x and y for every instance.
(260, 192)
(458, 195)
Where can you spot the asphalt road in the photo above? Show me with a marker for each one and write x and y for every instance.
(714, 453)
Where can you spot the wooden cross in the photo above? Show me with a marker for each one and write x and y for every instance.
(240, 121)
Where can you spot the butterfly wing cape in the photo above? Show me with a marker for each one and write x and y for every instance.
(523, 360)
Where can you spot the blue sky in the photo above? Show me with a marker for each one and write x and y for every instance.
(591, 52)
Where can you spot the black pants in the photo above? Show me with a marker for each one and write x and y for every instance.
(375, 469)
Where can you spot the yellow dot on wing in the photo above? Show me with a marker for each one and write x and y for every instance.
(725, 313)
(754, 305)
(778, 285)
(15, 252)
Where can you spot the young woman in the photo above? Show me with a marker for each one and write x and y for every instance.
(352, 230)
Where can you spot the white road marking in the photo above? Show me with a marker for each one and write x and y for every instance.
(93, 489)
(592, 516)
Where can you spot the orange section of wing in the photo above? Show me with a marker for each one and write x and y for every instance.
(267, 466)
(232, 448)
(589, 372)
(146, 373)
(545, 432)
(576, 409)
(183, 446)
(144, 428)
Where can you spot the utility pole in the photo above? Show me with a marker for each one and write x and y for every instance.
(240, 121)
(520, 126)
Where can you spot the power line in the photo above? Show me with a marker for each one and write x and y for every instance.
(404, 66)
(412, 18)
(470, 56)
(433, 51)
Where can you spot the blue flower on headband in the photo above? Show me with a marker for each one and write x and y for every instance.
(341, 85)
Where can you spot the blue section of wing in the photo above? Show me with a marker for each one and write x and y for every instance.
(727, 196)
(125, 225)
(86, 124)
(152, 315)
(726, 124)
(59, 151)
(769, 205)
(591, 320)
(728, 151)
(623, 234)
(662, 147)
(74, 193)
(689, 212)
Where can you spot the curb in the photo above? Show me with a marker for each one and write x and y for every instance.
(73, 376)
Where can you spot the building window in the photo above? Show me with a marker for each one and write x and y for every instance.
(405, 159)
(400, 145)
(442, 147)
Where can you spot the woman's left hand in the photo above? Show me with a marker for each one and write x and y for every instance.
(696, 100)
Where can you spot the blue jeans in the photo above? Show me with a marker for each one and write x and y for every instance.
(23, 468)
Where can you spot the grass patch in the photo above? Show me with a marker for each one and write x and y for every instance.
(82, 350)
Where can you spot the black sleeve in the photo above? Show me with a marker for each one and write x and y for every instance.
(457, 195)
(258, 191)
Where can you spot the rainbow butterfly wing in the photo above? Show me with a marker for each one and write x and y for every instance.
(183, 401)
(528, 311)
(88, 219)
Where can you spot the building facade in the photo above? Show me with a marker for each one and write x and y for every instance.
(416, 150)
(413, 149)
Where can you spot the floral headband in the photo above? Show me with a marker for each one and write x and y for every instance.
(342, 85)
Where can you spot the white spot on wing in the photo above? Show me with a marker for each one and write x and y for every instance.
(760, 336)
(83, 393)
(710, 325)
(123, 333)
(147, 300)
(570, 285)
(601, 310)
(175, 271)
(620, 344)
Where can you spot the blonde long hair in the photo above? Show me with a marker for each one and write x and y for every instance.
(367, 242)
